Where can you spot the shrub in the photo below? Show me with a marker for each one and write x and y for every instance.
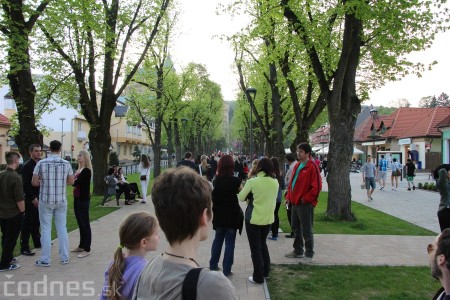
(420, 185)
(425, 186)
(113, 159)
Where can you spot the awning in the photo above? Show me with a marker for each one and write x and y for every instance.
(372, 143)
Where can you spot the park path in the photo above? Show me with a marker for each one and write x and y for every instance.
(83, 278)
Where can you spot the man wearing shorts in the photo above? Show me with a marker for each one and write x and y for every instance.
(369, 172)
(382, 172)
(410, 173)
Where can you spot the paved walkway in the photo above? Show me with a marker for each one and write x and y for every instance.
(83, 278)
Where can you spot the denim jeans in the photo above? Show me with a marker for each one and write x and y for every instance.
(81, 208)
(302, 224)
(257, 238)
(229, 235)
(46, 213)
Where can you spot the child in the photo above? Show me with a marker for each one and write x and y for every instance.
(139, 235)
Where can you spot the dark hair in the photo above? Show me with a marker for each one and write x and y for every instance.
(118, 170)
(187, 155)
(225, 166)
(180, 194)
(436, 171)
(276, 169)
(305, 147)
(135, 227)
(110, 171)
(409, 160)
(11, 156)
(265, 165)
(290, 157)
(145, 161)
(34, 146)
(443, 246)
(382, 156)
(55, 146)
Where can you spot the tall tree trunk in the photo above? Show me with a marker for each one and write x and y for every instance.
(99, 143)
(170, 148)
(157, 148)
(177, 140)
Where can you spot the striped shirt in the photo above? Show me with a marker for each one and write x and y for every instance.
(53, 172)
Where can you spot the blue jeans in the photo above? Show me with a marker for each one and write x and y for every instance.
(46, 213)
(229, 235)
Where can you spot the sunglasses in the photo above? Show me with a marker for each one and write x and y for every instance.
(430, 248)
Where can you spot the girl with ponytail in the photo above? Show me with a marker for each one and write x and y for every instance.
(138, 235)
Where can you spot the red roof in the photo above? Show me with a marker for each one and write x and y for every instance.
(4, 121)
(321, 135)
(364, 130)
(406, 122)
(444, 123)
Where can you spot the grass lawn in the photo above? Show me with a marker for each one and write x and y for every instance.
(96, 211)
(369, 222)
(292, 282)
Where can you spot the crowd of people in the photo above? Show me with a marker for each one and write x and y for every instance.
(197, 193)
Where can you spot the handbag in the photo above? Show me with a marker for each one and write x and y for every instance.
(363, 186)
(143, 177)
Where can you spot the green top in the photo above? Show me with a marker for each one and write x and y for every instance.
(11, 192)
(265, 191)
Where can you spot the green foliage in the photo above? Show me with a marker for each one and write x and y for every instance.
(136, 152)
(113, 159)
(420, 185)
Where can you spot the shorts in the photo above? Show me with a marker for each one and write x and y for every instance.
(382, 175)
(410, 178)
(370, 182)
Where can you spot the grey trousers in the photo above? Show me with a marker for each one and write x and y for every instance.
(302, 224)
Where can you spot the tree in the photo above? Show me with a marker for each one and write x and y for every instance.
(17, 30)
(428, 102)
(402, 102)
(344, 37)
(136, 152)
(88, 36)
(113, 159)
(443, 100)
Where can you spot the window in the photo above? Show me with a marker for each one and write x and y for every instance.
(10, 104)
(124, 150)
(118, 149)
(79, 126)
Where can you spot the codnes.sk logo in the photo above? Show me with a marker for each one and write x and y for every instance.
(46, 288)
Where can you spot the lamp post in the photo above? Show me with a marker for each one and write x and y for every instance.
(242, 141)
(251, 91)
(373, 135)
(62, 135)
(184, 122)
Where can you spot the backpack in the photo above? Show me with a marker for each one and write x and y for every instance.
(189, 289)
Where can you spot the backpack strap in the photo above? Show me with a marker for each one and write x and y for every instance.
(189, 290)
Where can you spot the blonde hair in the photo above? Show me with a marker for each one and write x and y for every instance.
(253, 170)
(87, 160)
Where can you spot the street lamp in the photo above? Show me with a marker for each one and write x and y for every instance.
(184, 122)
(62, 135)
(373, 134)
(251, 91)
(242, 141)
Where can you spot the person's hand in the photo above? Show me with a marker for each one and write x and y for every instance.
(35, 202)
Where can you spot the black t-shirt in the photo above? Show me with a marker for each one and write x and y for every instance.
(410, 167)
(226, 207)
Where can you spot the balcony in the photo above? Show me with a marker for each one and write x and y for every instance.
(81, 136)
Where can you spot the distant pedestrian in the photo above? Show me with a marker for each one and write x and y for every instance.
(382, 172)
(443, 186)
(53, 174)
(138, 235)
(325, 166)
(187, 162)
(303, 192)
(287, 178)
(410, 174)
(396, 173)
(31, 223)
(144, 171)
(12, 208)
(369, 172)
(82, 202)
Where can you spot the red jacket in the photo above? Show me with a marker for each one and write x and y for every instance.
(307, 187)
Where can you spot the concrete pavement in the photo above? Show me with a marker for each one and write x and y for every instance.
(83, 278)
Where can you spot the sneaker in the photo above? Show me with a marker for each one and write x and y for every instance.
(392, 189)
(381, 188)
(305, 260)
(371, 199)
(143, 202)
(65, 262)
(229, 274)
(28, 253)
(41, 263)
(252, 281)
(11, 267)
(273, 238)
(395, 189)
(293, 254)
(84, 254)
(368, 199)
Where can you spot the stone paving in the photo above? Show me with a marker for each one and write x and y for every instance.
(83, 278)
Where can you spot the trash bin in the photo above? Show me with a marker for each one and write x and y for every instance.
(419, 165)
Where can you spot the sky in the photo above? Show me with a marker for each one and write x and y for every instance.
(196, 42)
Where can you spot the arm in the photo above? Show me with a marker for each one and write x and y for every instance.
(245, 191)
(27, 176)
(70, 179)
(35, 180)
(18, 194)
(315, 185)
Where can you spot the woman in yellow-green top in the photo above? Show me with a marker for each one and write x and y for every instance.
(261, 192)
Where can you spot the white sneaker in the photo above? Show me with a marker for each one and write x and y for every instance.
(305, 260)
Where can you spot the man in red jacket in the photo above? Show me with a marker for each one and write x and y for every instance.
(303, 191)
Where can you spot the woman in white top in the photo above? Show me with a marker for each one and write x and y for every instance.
(396, 173)
(144, 170)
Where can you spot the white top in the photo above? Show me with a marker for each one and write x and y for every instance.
(144, 171)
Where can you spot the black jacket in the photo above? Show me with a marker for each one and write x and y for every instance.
(30, 192)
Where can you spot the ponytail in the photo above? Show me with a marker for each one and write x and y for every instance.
(115, 274)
